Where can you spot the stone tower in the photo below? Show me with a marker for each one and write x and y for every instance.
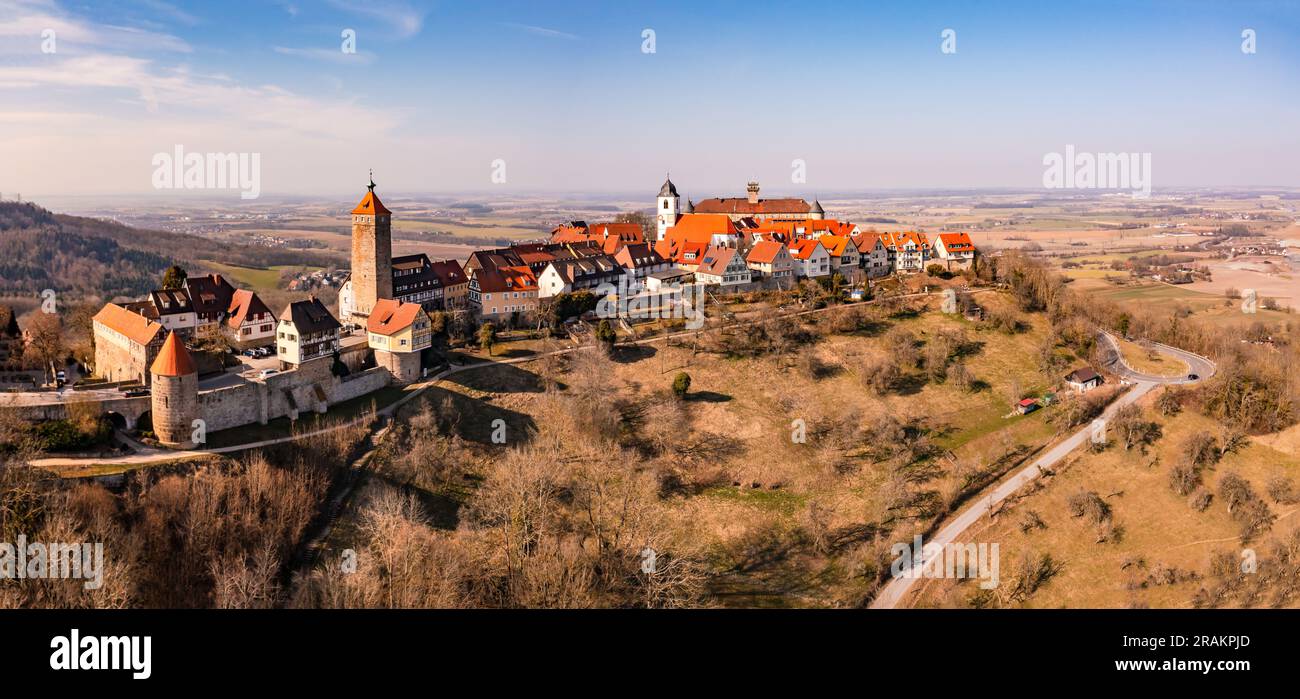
(666, 208)
(751, 192)
(372, 254)
(175, 393)
(816, 212)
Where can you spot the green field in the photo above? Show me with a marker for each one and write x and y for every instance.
(260, 279)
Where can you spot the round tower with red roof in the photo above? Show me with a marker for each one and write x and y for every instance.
(175, 394)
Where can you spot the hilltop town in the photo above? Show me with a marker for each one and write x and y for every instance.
(771, 392)
(253, 364)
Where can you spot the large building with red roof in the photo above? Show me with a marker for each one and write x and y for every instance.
(668, 209)
(126, 343)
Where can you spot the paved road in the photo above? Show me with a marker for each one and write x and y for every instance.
(894, 592)
(1200, 366)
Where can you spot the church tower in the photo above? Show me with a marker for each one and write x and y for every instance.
(175, 394)
(372, 254)
(666, 208)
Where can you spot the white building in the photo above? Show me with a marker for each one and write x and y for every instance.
(724, 267)
(810, 258)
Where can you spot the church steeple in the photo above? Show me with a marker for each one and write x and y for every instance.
(666, 207)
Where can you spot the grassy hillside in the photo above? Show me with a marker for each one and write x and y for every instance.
(781, 480)
(82, 257)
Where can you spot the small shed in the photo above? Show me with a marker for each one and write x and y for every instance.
(1083, 380)
(1027, 406)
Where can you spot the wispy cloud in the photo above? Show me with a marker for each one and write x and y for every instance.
(23, 22)
(181, 91)
(121, 59)
(170, 11)
(542, 31)
(404, 20)
(360, 58)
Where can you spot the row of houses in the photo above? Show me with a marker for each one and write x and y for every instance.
(810, 248)
(710, 249)
(128, 336)
(208, 306)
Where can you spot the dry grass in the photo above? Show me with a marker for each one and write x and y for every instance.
(1159, 531)
(785, 523)
(1151, 362)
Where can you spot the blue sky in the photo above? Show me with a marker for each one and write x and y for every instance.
(563, 93)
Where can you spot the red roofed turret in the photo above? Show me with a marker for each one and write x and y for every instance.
(173, 359)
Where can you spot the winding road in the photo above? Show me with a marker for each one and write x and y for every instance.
(897, 589)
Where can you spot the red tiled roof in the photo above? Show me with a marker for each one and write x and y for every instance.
(701, 227)
(244, 303)
(134, 326)
(506, 279)
(389, 316)
(449, 272)
(715, 260)
(173, 359)
(803, 249)
(898, 239)
(636, 255)
(742, 205)
(834, 244)
(809, 226)
(371, 206)
(765, 252)
(867, 241)
(956, 242)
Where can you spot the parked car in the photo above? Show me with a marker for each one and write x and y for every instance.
(249, 353)
(267, 372)
(1192, 377)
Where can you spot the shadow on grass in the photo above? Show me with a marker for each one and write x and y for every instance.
(500, 378)
(629, 354)
(475, 420)
(708, 397)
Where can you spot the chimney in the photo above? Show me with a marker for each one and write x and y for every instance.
(752, 189)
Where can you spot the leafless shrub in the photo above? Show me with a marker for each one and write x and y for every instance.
(1031, 521)
(1283, 490)
(1200, 498)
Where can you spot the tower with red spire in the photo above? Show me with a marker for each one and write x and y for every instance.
(372, 254)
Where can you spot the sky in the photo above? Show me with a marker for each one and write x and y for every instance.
(564, 97)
